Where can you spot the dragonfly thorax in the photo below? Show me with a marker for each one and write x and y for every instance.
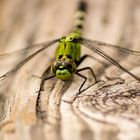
(64, 68)
(69, 46)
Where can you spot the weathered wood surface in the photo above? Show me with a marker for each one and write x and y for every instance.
(107, 110)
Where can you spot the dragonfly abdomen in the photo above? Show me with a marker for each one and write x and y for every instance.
(80, 17)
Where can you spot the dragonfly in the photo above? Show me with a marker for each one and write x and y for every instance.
(68, 53)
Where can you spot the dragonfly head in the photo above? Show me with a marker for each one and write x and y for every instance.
(73, 37)
(63, 69)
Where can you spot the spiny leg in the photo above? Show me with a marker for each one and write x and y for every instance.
(88, 68)
(50, 77)
(85, 79)
(85, 68)
(82, 59)
(85, 56)
(45, 78)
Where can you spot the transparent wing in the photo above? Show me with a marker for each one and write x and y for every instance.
(20, 64)
(93, 45)
(116, 47)
(28, 48)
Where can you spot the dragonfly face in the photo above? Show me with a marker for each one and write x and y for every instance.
(64, 68)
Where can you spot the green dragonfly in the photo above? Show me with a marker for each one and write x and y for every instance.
(68, 53)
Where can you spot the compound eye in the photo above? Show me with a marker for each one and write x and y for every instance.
(68, 56)
(60, 56)
(55, 66)
(68, 65)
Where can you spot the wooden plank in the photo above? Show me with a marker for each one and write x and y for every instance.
(107, 110)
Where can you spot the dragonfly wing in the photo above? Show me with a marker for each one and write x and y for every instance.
(94, 48)
(103, 44)
(29, 48)
(20, 64)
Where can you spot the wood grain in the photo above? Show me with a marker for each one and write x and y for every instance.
(107, 110)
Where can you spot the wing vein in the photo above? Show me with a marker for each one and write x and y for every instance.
(20, 64)
(107, 57)
(99, 43)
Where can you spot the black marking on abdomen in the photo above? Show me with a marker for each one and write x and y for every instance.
(82, 6)
(80, 15)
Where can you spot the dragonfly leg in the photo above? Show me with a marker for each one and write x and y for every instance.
(88, 68)
(82, 59)
(47, 78)
(44, 77)
(50, 77)
(43, 80)
(85, 79)
(85, 56)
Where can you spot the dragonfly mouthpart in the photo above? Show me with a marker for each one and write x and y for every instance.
(63, 74)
